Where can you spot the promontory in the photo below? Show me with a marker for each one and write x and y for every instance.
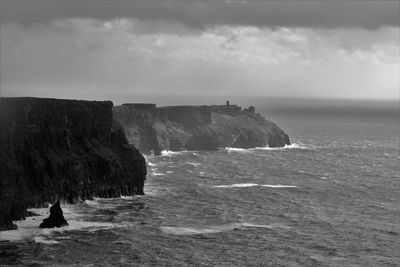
(153, 129)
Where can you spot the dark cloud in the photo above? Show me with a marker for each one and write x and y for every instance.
(199, 14)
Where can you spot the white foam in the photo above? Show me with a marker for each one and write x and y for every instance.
(244, 150)
(238, 150)
(198, 231)
(150, 163)
(29, 229)
(193, 164)
(235, 185)
(168, 153)
(252, 185)
(130, 197)
(92, 202)
(278, 186)
(291, 146)
(87, 225)
(217, 229)
(44, 240)
(76, 221)
(269, 226)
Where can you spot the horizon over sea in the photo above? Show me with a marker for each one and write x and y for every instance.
(331, 198)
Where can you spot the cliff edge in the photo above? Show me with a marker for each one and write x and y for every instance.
(66, 150)
(153, 129)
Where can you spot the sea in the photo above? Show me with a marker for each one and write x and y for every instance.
(331, 198)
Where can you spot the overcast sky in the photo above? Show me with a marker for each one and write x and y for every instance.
(98, 49)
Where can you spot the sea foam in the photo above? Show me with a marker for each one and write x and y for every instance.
(195, 164)
(169, 153)
(29, 229)
(286, 147)
(253, 185)
(235, 185)
(278, 186)
(217, 228)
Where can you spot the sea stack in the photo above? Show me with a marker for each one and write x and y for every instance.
(56, 218)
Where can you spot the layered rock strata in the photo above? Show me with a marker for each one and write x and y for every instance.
(65, 150)
(176, 128)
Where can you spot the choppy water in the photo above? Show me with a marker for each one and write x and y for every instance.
(330, 199)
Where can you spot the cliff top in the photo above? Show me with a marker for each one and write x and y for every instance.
(232, 110)
(26, 99)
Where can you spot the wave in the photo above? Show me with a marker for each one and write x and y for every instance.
(252, 185)
(292, 146)
(278, 186)
(246, 150)
(129, 197)
(235, 185)
(217, 229)
(195, 164)
(89, 226)
(157, 173)
(196, 231)
(236, 149)
(269, 226)
(44, 240)
(168, 153)
(28, 229)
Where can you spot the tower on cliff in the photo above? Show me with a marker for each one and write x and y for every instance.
(227, 103)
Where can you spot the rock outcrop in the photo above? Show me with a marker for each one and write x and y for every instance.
(176, 128)
(56, 218)
(64, 150)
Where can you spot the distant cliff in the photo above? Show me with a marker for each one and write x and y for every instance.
(176, 128)
(62, 149)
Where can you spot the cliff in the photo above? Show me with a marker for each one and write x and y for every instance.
(176, 128)
(64, 150)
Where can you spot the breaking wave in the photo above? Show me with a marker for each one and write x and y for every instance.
(29, 229)
(292, 146)
(217, 229)
(195, 164)
(235, 185)
(252, 185)
(169, 153)
(286, 147)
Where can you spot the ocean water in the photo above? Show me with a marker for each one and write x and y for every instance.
(332, 198)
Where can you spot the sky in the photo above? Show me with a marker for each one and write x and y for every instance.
(134, 50)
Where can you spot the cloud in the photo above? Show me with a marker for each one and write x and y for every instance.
(90, 58)
(203, 14)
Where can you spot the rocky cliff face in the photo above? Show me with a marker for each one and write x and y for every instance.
(176, 128)
(62, 150)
